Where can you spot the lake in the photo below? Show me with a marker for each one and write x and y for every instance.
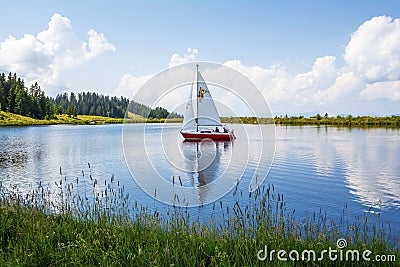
(315, 168)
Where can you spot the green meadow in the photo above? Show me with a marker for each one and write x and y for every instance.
(340, 121)
(10, 119)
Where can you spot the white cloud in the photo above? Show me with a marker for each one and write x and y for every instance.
(322, 75)
(153, 90)
(176, 59)
(278, 85)
(371, 71)
(53, 50)
(321, 85)
(374, 50)
(305, 87)
(345, 85)
(389, 90)
(98, 44)
(129, 85)
(272, 81)
(373, 54)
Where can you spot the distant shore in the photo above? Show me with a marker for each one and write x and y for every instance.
(10, 119)
(341, 121)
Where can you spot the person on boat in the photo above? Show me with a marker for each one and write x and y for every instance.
(216, 130)
(225, 130)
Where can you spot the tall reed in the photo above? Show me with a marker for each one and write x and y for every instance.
(86, 220)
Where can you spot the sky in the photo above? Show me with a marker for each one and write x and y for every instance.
(306, 57)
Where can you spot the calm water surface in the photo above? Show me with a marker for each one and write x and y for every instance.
(314, 167)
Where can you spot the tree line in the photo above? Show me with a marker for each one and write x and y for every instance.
(32, 102)
(99, 105)
(88, 103)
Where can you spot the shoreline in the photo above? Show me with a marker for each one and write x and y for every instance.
(348, 121)
(10, 119)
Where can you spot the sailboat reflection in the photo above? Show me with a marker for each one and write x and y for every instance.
(204, 160)
(204, 165)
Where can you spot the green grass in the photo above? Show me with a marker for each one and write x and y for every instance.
(7, 118)
(137, 118)
(10, 119)
(100, 226)
(347, 121)
(246, 120)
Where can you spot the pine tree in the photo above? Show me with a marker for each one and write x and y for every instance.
(22, 102)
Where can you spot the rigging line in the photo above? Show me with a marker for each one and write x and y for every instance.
(197, 97)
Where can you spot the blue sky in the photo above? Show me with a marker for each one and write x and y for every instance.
(140, 39)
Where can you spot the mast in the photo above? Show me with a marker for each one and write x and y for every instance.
(197, 94)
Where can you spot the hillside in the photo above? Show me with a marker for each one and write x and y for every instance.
(10, 119)
(37, 108)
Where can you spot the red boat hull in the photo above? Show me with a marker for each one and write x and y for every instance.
(212, 136)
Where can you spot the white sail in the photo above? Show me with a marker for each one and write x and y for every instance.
(189, 122)
(206, 110)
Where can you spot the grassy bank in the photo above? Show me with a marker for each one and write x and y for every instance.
(10, 119)
(360, 121)
(347, 121)
(65, 227)
(246, 120)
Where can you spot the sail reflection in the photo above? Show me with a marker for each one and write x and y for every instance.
(203, 163)
(203, 160)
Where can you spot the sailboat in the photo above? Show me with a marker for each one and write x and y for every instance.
(203, 121)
